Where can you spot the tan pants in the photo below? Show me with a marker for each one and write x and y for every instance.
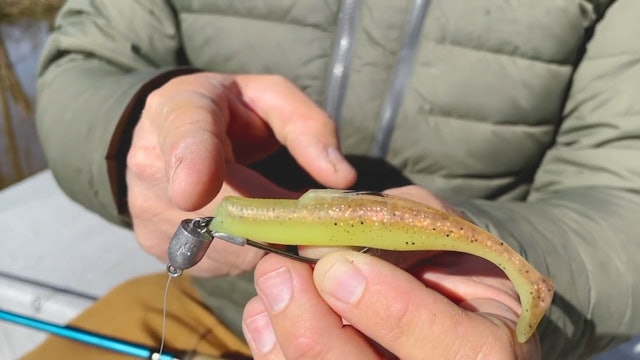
(133, 312)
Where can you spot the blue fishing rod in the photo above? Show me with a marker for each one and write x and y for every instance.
(87, 337)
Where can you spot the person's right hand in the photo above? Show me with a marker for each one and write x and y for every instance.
(191, 133)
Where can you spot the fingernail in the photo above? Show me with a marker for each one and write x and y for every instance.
(260, 332)
(344, 281)
(277, 288)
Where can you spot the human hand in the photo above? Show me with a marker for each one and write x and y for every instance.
(353, 305)
(191, 133)
(446, 305)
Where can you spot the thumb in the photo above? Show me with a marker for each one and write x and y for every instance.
(192, 139)
(358, 287)
(300, 125)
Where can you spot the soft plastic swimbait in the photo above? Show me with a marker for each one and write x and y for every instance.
(339, 218)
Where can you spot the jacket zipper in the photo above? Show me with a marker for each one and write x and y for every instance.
(341, 62)
(391, 106)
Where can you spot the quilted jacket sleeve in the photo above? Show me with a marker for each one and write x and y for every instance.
(92, 67)
(581, 222)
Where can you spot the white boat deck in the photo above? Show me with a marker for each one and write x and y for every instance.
(47, 238)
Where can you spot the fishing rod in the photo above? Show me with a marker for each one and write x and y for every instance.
(87, 337)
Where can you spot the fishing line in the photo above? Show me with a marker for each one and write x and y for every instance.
(164, 314)
(172, 273)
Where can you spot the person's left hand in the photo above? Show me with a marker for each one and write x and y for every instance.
(356, 306)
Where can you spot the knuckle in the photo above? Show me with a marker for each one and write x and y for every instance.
(135, 159)
(184, 92)
(218, 84)
(155, 100)
(397, 320)
(232, 260)
(142, 163)
(251, 258)
(305, 347)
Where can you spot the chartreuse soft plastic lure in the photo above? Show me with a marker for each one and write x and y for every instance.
(339, 218)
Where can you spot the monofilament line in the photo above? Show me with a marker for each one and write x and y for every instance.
(164, 315)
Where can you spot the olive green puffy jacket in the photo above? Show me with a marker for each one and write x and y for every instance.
(524, 114)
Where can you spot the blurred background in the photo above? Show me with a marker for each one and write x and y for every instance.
(52, 250)
(24, 25)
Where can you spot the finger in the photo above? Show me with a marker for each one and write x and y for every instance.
(465, 279)
(191, 113)
(259, 332)
(422, 195)
(243, 181)
(251, 136)
(400, 313)
(305, 327)
(223, 258)
(316, 252)
(300, 125)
